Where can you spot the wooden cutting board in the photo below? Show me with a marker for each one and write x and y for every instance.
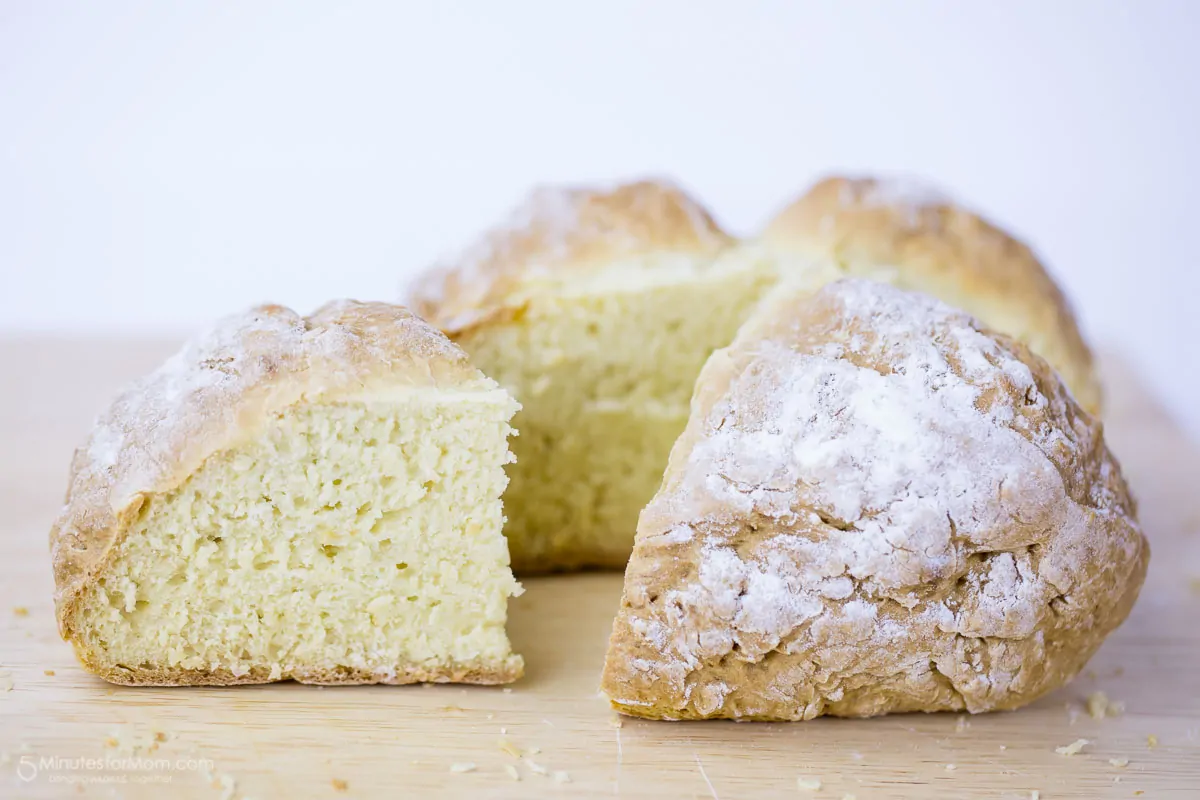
(64, 733)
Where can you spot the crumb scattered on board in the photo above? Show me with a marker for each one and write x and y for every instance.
(508, 747)
(1152, 741)
(536, 768)
(1119, 763)
(463, 766)
(49, 673)
(962, 724)
(1072, 748)
(339, 785)
(228, 786)
(951, 767)
(22, 611)
(562, 776)
(6, 681)
(1099, 706)
(512, 772)
(808, 784)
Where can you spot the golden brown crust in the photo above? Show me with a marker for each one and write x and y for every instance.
(878, 506)
(218, 390)
(914, 237)
(481, 674)
(558, 234)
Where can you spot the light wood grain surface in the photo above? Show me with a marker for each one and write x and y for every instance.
(292, 741)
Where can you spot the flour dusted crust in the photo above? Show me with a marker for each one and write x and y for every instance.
(559, 234)
(911, 234)
(878, 506)
(219, 390)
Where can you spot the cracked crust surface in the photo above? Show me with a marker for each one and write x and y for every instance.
(560, 234)
(912, 235)
(216, 392)
(878, 506)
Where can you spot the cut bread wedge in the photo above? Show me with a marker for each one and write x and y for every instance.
(878, 506)
(315, 499)
(596, 309)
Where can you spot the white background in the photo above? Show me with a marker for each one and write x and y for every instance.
(163, 163)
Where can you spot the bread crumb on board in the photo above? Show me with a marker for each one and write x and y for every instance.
(20, 611)
(562, 776)
(339, 785)
(6, 681)
(1120, 763)
(1100, 706)
(49, 673)
(1034, 794)
(806, 784)
(512, 772)
(508, 747)
(536, 768)
(951, 767)
(962, 724)
(1072, 748)
(463, 766)
(1152, 741)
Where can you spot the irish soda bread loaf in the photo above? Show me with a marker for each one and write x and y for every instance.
(910, 234)
(310, 498)
(596, 308)
(877, 506)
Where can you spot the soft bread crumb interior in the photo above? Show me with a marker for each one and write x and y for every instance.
(604, 375)
(345, 539)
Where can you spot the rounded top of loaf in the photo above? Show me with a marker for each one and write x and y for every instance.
(915, 236)
(557, 235)
(870, 478)
(219, 389)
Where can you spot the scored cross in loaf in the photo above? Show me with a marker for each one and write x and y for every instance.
(310, 498)
(878, 506)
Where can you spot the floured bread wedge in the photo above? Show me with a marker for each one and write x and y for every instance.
(877, 506)
(596, 308)
(308, 498)
(913, 236)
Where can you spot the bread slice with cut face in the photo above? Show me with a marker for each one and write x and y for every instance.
(312, 498)
(878, 506)
(596, 308)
